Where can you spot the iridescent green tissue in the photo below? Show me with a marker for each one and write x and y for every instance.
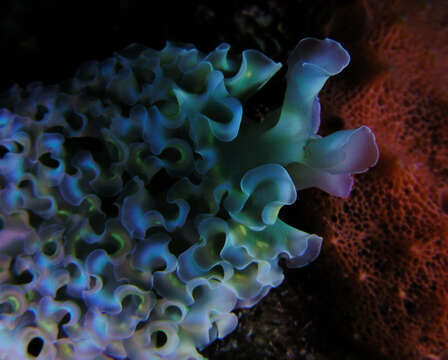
(139, 203)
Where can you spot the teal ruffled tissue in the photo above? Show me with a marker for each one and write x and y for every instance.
(139, 203)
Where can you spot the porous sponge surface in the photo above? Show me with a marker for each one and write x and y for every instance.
(139, 206)
(387, 245)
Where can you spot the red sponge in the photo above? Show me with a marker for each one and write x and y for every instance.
(385, 253)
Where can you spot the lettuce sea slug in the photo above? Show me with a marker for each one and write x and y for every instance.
(139, 205)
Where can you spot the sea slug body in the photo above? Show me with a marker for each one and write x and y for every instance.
(139, 205)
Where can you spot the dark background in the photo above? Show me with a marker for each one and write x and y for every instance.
(47, 40)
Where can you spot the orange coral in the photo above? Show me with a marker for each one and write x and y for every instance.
(385, 252)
